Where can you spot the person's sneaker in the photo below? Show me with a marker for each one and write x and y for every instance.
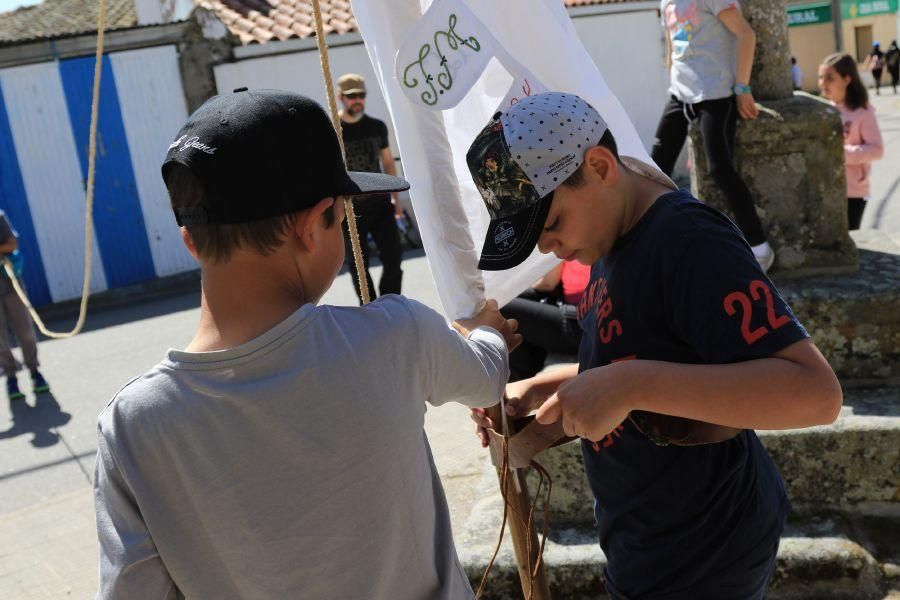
(12, 389)
(39, 383)
(765, 258)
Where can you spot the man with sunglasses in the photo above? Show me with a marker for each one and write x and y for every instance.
(366, 147)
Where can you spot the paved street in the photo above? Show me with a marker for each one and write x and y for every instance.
(47, 537)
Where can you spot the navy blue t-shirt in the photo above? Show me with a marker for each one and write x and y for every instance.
(693, 522)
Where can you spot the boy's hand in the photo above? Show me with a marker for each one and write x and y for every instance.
(490, 317)
(746, 106)
(519, 401)
(592, 404)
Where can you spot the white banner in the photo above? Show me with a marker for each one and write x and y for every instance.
(483, 55)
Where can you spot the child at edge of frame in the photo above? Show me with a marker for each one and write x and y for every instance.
(687, 347)
(282, 454)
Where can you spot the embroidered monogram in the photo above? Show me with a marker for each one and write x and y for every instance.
(194, 143)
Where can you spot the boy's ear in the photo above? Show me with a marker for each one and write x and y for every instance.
(188, 242)
(602, 164)
(310, 223)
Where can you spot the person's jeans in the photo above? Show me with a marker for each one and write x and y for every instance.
(376, 216)
(855, 209)
(717, 120)
(14, 315)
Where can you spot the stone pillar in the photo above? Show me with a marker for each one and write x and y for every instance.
(791, 158)
(771, 76)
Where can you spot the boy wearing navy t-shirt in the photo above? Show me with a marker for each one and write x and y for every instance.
(687, 348)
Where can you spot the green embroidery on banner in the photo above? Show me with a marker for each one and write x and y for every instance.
(444, 79)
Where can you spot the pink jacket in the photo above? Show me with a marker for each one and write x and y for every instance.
(862, 145)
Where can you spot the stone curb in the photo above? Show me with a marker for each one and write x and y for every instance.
(821, 567)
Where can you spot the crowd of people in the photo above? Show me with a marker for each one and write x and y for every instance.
(282, 454)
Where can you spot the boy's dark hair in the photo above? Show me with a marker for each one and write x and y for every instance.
(216, 243)
(576, 179)
(845, 66)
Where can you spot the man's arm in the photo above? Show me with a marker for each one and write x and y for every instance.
(9, 246)
(746, 46)
(793, 388)
(130, 566)
(390, 168)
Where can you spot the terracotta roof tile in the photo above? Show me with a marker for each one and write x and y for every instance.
(251, 21)
(284, 19)
(56, 18)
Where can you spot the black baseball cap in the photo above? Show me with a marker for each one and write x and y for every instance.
(264, 153)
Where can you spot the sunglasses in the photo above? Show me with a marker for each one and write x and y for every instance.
(356, 96)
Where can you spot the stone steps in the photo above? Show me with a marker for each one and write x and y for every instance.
(824, 568)
(842, 541)
(819, 559)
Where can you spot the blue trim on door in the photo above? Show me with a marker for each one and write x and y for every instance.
(14, 202)
(118, 218)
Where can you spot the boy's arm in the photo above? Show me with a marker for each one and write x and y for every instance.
(468, 363)
(793, 388)
(732, 18)
(130, 566)
(748, 364)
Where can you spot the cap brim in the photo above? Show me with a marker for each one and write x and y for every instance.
(511, 240)
(362, 184)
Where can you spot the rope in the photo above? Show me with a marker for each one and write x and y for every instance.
(89, 203)
(543, 476)
(336, 121)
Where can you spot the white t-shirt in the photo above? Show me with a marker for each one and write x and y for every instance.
(293, 466)
(704, 51)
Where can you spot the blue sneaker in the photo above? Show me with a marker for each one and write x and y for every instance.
(38, 382)
(12, 388)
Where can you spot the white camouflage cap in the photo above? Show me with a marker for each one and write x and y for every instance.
(519, 160)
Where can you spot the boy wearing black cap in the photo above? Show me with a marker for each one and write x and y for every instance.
(687, 348)
(260, 462)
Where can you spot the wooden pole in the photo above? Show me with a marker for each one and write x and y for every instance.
(523, 536)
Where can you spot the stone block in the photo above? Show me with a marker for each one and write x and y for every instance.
(792, 159)
(854, 318)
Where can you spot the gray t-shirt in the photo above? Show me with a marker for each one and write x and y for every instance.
(293, 466)
(704, 51)
(6, 233)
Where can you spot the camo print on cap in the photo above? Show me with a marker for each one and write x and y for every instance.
(519, 159)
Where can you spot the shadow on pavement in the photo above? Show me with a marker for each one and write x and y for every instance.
(39, 420)
(136, 310)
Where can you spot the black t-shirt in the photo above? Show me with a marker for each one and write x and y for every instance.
(363, 143)
(683, 522)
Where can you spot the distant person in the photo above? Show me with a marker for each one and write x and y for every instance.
(710, 50)
(547, 317)
(796, 74)
(839, 82)
(367, 150)
(875, 63)
(14, 315)
(892, 62)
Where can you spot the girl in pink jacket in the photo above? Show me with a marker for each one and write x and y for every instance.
(839, 82)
